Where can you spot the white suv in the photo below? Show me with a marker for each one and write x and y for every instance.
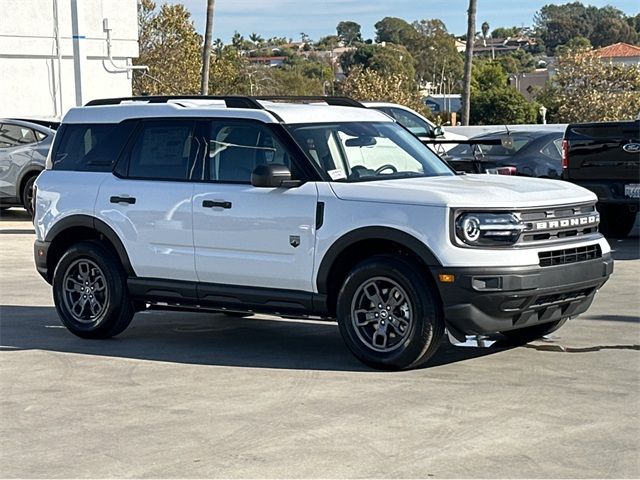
(324, 210)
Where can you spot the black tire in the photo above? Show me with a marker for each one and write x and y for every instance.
(106, 280)
(529, 334)
(616, 221)
(413, 329)
(27, 195)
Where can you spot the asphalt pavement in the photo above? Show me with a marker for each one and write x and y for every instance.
(202, 395)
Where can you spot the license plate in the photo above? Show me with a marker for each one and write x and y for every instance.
(632, 190)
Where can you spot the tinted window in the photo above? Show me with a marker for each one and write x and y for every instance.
(88, 146)
(553, 149)
(164, 150)
(411, 122)
(236, 148)
(15, 136)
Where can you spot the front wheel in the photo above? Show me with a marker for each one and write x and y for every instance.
(388, 314)
(90, 293)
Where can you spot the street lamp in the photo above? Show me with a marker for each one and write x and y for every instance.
(543, 114)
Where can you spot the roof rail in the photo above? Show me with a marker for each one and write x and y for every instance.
(335, 101)
(231, 101)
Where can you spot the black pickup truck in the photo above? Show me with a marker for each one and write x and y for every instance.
(605, 158)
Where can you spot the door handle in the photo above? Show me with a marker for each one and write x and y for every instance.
(129, 200)
(214, 203)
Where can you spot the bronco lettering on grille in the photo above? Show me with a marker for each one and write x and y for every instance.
(567, 222)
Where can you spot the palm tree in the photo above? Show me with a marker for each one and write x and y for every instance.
(468, 61)
(206, 49)
(485, 31)
(256, 39)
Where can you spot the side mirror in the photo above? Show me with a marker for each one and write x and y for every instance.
(438, 132)
(273, 175)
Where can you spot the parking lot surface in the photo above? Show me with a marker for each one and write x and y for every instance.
(203, 395)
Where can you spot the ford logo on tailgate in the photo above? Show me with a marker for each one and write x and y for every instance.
(632, 148)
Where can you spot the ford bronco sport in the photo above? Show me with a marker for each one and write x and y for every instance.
(321, 209)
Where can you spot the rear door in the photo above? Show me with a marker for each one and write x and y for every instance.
(248, 236)
(148, 199)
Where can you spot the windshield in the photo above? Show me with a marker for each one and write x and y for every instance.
(351, 151)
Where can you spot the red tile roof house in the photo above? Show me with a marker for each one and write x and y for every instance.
(623, 53)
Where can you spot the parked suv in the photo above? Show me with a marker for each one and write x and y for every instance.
(323, 210)
(24, 146)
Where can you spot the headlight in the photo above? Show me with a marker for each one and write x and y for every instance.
(488, 229)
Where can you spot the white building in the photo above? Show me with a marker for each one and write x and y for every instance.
(38, 77)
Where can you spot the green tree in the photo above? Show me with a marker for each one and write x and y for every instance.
(256, 39)
(368, 84)
(505, 32)
(328, 43)
(349, 32)
(493, 101)
(395, 30)
(588, 89)
(170, 47)
(434, 52)
(387, 60)
(557, 24)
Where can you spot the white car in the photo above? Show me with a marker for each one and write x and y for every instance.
(320, 210)
(418, 124)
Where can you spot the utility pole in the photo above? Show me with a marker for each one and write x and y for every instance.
(79, 57)
(206, 48)
(468, 60)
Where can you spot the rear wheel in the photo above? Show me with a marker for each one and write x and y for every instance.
(89, 291)
(616, 221)
(27, 195)
(529, 334)
(388, 314)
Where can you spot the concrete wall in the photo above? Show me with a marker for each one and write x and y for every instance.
(29, 66)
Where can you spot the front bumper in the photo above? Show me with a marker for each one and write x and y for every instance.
(489, 300)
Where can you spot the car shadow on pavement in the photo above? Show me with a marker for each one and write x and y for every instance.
(206, 339)
(625, 248)
(14, 215)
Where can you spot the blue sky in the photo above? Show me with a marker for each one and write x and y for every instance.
(318, 18)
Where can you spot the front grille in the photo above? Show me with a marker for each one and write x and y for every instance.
(569, 255)
(558, 223)
(559, 298)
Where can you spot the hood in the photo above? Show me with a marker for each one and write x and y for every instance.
(481, 191)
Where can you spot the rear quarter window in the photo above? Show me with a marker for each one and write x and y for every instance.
(89, 147)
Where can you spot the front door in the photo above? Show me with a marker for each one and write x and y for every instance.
(248, 236)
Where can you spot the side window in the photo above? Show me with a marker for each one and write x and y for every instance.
(412, 122)
(40, 136)
(93, 146)
(553, 149)
(164, 150)
(236, 148)
(15, 136)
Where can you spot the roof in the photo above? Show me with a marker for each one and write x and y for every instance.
(288, 112)
(618, 50)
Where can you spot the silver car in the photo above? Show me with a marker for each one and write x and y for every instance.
(23, 150)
